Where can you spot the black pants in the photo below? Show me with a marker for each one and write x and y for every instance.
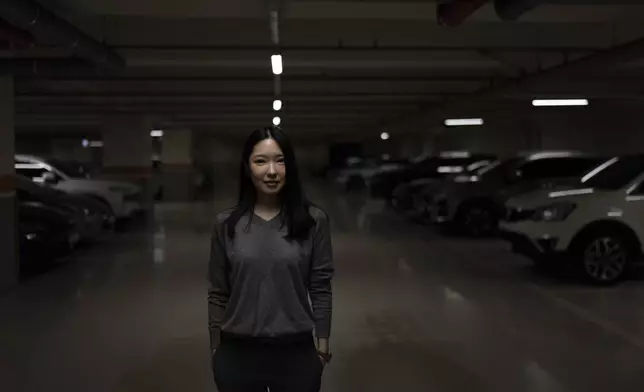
(282, 365)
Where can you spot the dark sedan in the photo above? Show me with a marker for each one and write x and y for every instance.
(434, 166)
(45, 233)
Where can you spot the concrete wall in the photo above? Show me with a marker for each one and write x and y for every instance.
(605, 128)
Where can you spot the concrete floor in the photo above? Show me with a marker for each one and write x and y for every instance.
(414, 311)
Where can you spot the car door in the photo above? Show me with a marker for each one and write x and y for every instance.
(632, 212)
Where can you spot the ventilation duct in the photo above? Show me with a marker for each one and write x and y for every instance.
(452, 13)
(46, 26)
(513, 9)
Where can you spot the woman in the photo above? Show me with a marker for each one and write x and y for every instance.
(269, 256)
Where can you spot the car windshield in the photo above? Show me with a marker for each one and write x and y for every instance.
(615, 173)
(500, 168)
(71, 169)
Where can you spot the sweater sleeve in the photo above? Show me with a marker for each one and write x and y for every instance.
(321, 275)
(218, 285)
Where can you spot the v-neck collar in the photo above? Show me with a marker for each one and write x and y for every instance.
(262, 220)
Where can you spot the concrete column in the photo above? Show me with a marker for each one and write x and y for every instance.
(178, 170)
(9, 264)
(127, 151)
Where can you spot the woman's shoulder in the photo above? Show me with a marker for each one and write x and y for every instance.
(318, 214)
(221, 216)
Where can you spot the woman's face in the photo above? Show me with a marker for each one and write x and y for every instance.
(267, 169)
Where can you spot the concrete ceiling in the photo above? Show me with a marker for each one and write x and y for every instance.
(349, 66)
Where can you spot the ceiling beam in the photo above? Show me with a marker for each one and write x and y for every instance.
(371, 48)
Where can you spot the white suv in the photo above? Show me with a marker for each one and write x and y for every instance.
(598, 225)
(123, 199)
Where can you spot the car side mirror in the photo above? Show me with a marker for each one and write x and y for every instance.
(50, 178)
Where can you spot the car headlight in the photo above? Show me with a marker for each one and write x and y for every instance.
(555, 212)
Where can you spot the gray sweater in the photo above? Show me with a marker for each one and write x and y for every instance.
(261, 283)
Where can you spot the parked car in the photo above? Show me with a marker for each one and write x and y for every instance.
(474, 204)
(405, 195)
(358, 172)
(91, 217)
(44, 233)
(382, 185)
(596, 226)
(122, 198)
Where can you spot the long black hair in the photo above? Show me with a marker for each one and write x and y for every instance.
(295, 207)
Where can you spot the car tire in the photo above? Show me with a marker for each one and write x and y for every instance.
(396, 204)
(602, 257)
(477, 219)
(103, 202)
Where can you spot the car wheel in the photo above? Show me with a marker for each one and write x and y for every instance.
(478, 219)
(421, 210)
(603, 257)
(396, 204)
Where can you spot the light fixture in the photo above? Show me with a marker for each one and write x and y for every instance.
(384, 136)
(560, 102)
(450, 169)
(460, 122)
(156, 133)
(277, 105)
(276, 62)
(85, 143)
(277, 121)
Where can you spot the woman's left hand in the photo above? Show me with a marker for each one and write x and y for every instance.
(322, 360)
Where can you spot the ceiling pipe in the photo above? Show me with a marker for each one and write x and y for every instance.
(451, 13)
(46, 26)
(511, 10)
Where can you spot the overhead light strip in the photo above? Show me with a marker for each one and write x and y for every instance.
(461, 122)
(276, 63)
(560, 102)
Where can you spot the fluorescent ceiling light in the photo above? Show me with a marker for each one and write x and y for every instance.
(560, 102)
(277, 105)
(450, 169)
(276, 62)
(277, 121)
(384, 136)
(459, 122)
(156, 133)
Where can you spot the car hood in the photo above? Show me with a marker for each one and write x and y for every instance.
(115, 186)
(544, 196)
(545, 186)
